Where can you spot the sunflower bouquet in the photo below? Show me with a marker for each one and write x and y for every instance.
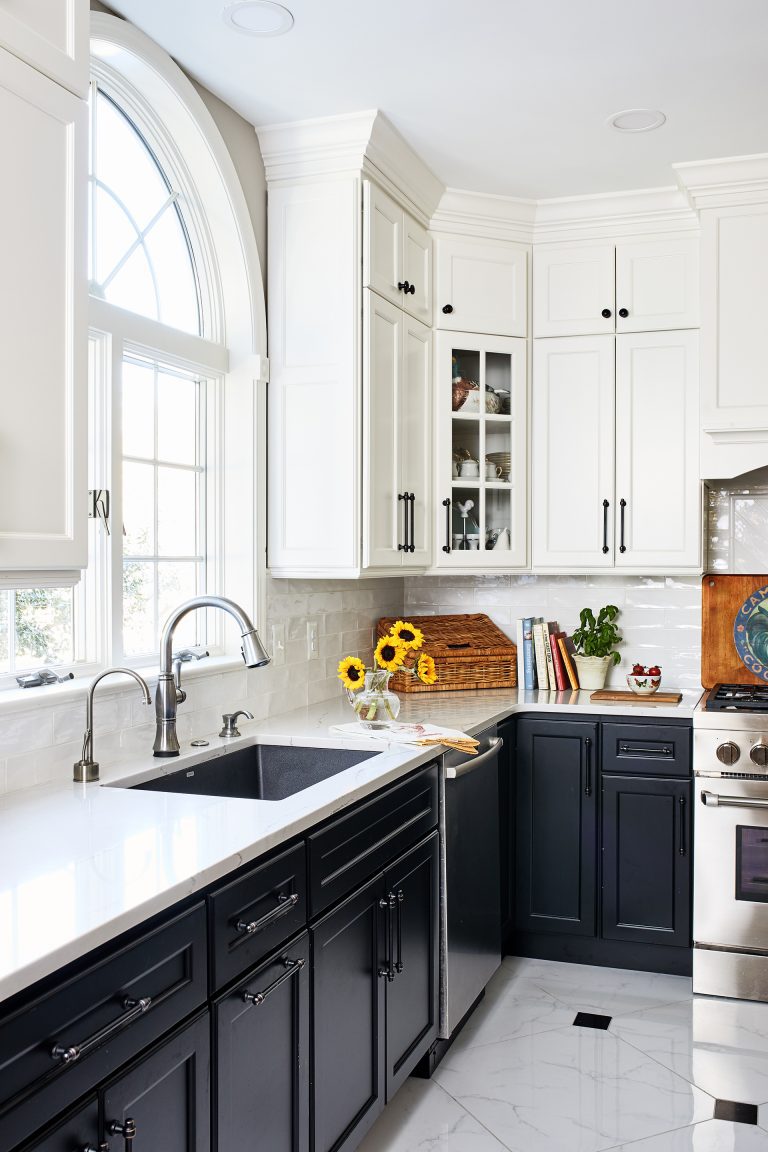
(399, 650)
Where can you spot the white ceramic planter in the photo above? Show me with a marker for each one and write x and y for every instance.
(592, 671)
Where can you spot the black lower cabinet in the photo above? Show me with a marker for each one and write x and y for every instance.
(261, 1038)
(163, 1100)
(557, 785)
(76, 1132)
(646, 860)
(507, 834)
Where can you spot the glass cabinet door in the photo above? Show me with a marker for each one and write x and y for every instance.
(481, 468)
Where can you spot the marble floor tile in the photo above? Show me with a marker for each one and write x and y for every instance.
(710, 1136)
(719, 1045)
(424, 1118)
(609, 991)
(569, 1090)
(513, 1006)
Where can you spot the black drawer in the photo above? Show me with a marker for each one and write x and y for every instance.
(647, 748)
(58, 1045)
(252, 915)
(349, 850)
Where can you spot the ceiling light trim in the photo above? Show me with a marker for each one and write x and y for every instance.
(654, 116)
(271, 7)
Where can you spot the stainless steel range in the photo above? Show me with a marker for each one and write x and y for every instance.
(730, 909)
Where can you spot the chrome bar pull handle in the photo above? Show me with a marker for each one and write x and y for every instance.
(588, 766)
(127, 1131)
(68, 1054)
(291, 968)
(447, 506)
(399, 965)
(388, 905)
(284, 904)
(681, 810)
(714, 800)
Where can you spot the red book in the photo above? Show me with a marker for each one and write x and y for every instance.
(561, 679)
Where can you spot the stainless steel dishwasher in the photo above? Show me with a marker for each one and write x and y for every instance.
(470, 916)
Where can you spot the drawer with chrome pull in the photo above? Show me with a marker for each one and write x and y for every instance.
(252, 915)
(55, 1046)
(656, 749)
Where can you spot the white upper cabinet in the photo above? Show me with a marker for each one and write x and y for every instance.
(52, 36)
(573, 452)
(43, 385)
(633, 286)
(481, 285)
(657, 451)
(397, 254)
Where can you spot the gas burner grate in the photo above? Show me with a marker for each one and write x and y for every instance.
(738, 698)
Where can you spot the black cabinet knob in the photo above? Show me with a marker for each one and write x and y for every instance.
(606, 313)
(623, 312)
(447, 308)
(404, 286)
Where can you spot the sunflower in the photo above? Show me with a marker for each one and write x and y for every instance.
(351, 672)
(408, 636)
(389, 653)
(425, 669)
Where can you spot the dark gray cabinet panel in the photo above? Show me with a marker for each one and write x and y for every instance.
(647, 749)
(348, 1069)
(261, 1095)
(165, 1095)
(412, 888)
(74, 1133)
(557, 785)
(507, 834)
(646, 824)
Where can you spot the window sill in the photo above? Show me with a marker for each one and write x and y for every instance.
(27, 699)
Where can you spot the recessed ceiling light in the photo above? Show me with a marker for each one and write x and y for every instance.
(258, 17)
(637, 120)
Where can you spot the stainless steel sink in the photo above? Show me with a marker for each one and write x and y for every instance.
(260, 772)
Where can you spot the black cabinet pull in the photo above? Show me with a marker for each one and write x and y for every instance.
(388, 905)
(284, 904)
(400, 966)
(291, 968)
(622, 545)
(447, 308)
(628, 750)
(412, 533)
(412, 289)
(588, 766)
(681, 810)
(623, 312)
(606, 506)
(406, 287)
(447, 506)
(127, 1131)
(404, 497)
(606, 313)
(132, 1009)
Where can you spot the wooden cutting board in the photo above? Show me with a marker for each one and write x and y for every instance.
(625, 696)
(721, 599)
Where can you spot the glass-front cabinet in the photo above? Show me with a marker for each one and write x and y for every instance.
(481, 467)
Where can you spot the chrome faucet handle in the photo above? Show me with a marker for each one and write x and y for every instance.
(180, 693)
(229, 720)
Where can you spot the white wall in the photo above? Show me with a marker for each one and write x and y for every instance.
(660, 616)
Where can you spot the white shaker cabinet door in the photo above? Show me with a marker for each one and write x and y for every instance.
(573, 290)
(417, 270)
(383, 512)
(51, 35)
(658, 497)
(415, 447)
(43, 344)
(481, 286)
(573, 452)
(382, 244)
(657, 285)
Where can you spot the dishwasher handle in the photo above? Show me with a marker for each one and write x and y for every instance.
(452, 772)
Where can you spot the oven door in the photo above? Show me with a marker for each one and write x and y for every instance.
(730, 891)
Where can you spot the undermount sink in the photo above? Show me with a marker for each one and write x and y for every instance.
(260, 772)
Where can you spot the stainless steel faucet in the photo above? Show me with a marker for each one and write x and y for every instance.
(86, 770)
(169, 691)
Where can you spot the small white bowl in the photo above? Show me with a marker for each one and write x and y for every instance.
(644, 685)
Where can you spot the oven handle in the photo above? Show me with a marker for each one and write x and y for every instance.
(713, 800)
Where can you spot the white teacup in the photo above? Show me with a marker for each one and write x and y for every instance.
(470, 468)
(492, 471)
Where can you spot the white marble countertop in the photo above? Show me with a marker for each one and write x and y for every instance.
(79, 864)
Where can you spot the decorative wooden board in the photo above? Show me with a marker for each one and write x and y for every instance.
(722, 598)
(629, 697)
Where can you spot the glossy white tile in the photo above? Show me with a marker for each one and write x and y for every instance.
(424, 1118)
(609, 991)
(708, 1136)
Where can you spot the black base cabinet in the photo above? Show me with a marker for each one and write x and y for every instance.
(76, 1132)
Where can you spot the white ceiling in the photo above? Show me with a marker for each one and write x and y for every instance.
(499, 95)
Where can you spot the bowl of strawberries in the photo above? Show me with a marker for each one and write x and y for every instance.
(644, 681)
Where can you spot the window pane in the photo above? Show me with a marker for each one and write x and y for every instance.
(5, 663)
(169, 254)
(133, 287)
(176, 512)
(124, 164)
(139, 509)
(138, 410)
(175, 584)
(43, 620)
(139, 628)
(115, 235)
(176, 419)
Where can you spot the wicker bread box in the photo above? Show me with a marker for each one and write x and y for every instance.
(469, 652)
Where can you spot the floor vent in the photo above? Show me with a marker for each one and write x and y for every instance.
(735, 1111)
(594, 1020)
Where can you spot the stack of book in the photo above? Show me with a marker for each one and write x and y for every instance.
(544, 656)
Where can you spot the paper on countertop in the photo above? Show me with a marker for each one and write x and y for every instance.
(400, 733)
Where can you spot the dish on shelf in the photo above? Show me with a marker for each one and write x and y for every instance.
(504, 462)
(465, 395)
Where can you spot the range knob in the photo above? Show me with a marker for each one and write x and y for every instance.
(758, 754)
(728, 753)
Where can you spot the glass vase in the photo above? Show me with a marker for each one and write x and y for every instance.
(375, 706)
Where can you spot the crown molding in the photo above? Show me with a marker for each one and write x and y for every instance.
(730, 181)
(485, 214)
(346, 145)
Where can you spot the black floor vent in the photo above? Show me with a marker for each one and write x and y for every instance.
(735, 1111)
(591, 1020)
